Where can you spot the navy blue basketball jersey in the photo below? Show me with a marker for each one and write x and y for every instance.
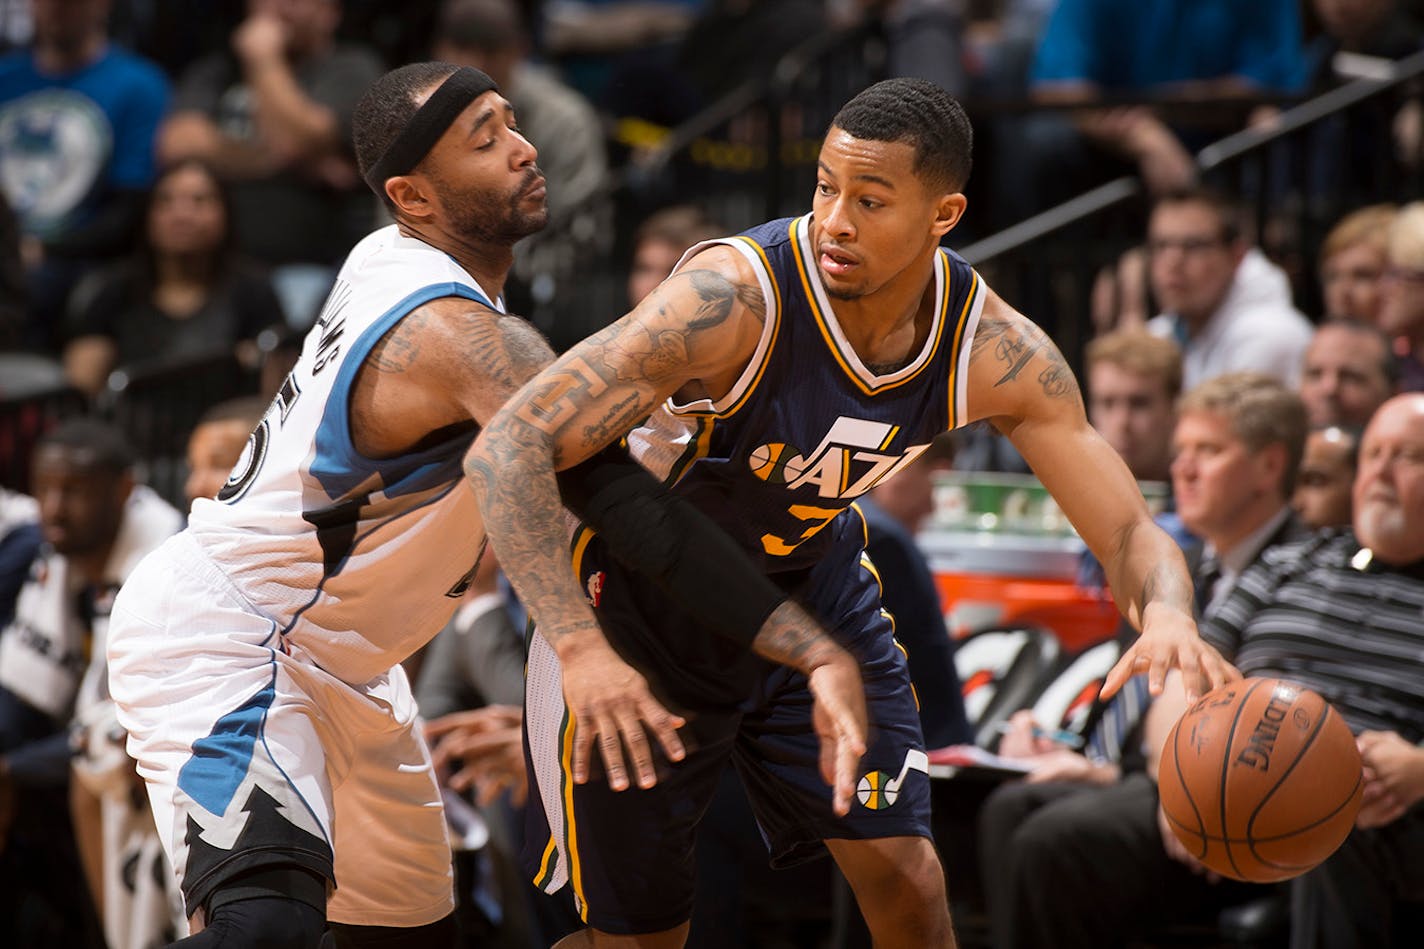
(808, 428)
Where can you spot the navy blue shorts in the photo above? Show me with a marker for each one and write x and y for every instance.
(629, 855)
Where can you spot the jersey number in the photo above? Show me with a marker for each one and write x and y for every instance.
(816, 518)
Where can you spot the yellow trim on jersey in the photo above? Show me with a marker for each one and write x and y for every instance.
(974, 289)
(914, 694)
(774, 315)
(541, 879)
(823, 324)
(566, 767)
(699, 447)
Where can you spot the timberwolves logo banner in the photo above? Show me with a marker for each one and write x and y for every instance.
(877, 790)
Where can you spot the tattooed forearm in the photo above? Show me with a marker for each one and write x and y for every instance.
(789, 636)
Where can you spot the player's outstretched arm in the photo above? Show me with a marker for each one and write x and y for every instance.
(1019, 379)
(695, 331)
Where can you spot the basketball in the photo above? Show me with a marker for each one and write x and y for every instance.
(1261, 780)
(777, 463)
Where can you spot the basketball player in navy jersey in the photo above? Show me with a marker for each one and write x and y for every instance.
(772, 379)
(255, 658)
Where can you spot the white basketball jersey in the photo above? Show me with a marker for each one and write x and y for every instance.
(357, 561)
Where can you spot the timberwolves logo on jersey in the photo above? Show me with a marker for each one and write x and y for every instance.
(849, 461)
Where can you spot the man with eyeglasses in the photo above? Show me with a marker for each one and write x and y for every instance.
(1225, 304)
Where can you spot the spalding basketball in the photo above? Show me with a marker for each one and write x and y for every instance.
(1261, 780)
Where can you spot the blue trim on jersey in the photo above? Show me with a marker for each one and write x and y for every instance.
(337, 466)
(220, 761)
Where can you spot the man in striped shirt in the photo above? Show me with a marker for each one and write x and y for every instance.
(1343, 614)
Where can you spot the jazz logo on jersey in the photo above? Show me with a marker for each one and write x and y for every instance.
(849, 461)
(877, 790)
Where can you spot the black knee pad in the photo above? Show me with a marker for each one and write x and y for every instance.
(261, 922)
(436, 935)
(280, 907)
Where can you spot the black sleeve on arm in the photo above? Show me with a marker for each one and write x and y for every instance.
(662, 536)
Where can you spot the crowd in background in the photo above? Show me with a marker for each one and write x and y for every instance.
(177, 185)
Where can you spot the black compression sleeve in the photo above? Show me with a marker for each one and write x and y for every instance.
(662, 536)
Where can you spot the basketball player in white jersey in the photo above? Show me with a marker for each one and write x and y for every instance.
(255, 658)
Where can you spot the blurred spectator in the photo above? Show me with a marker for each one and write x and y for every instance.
(894, 512)
(77, 125)
(1238, 440)
(659, 243)
(1223, 302)
(97, 525)
(1353, 257)
(1401, 313)
(562, 124)
(273, 118)
(1093, 50)
(923, 39)
(183, 292)
(217, 441)
(1323, 488)
(1133, 380)
(594, 40)
(13, 293)
(1348, 372)
(20, 539)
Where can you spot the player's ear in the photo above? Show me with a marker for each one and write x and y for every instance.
(948, 210)
(409, 195)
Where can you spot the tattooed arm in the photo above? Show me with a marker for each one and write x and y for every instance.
(694, 335)
(1019, 380)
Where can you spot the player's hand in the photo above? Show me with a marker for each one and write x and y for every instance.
(489, 747)
(1169, 640)
(839, 718)
(1394, 778)
(1178, 851)
(610, 700)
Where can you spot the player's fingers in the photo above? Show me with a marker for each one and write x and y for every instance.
(1121, 671)
(584, 731)
(611, 748)
(828, 759)
(664, 725)
(847, 758)
(631, 728)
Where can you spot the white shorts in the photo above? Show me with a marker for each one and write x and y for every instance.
(256, 757)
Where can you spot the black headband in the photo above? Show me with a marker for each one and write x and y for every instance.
(429, 122)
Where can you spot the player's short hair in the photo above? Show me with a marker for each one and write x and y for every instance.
(386, 108)
(1261, 411)
(918, 113)
(1139, 352)
(95, 444)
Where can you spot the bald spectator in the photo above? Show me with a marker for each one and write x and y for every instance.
(1401, 314)
(1348, 372)
(1326, 478)
(1353, 258)
(1134, 379)
(1223, 302)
